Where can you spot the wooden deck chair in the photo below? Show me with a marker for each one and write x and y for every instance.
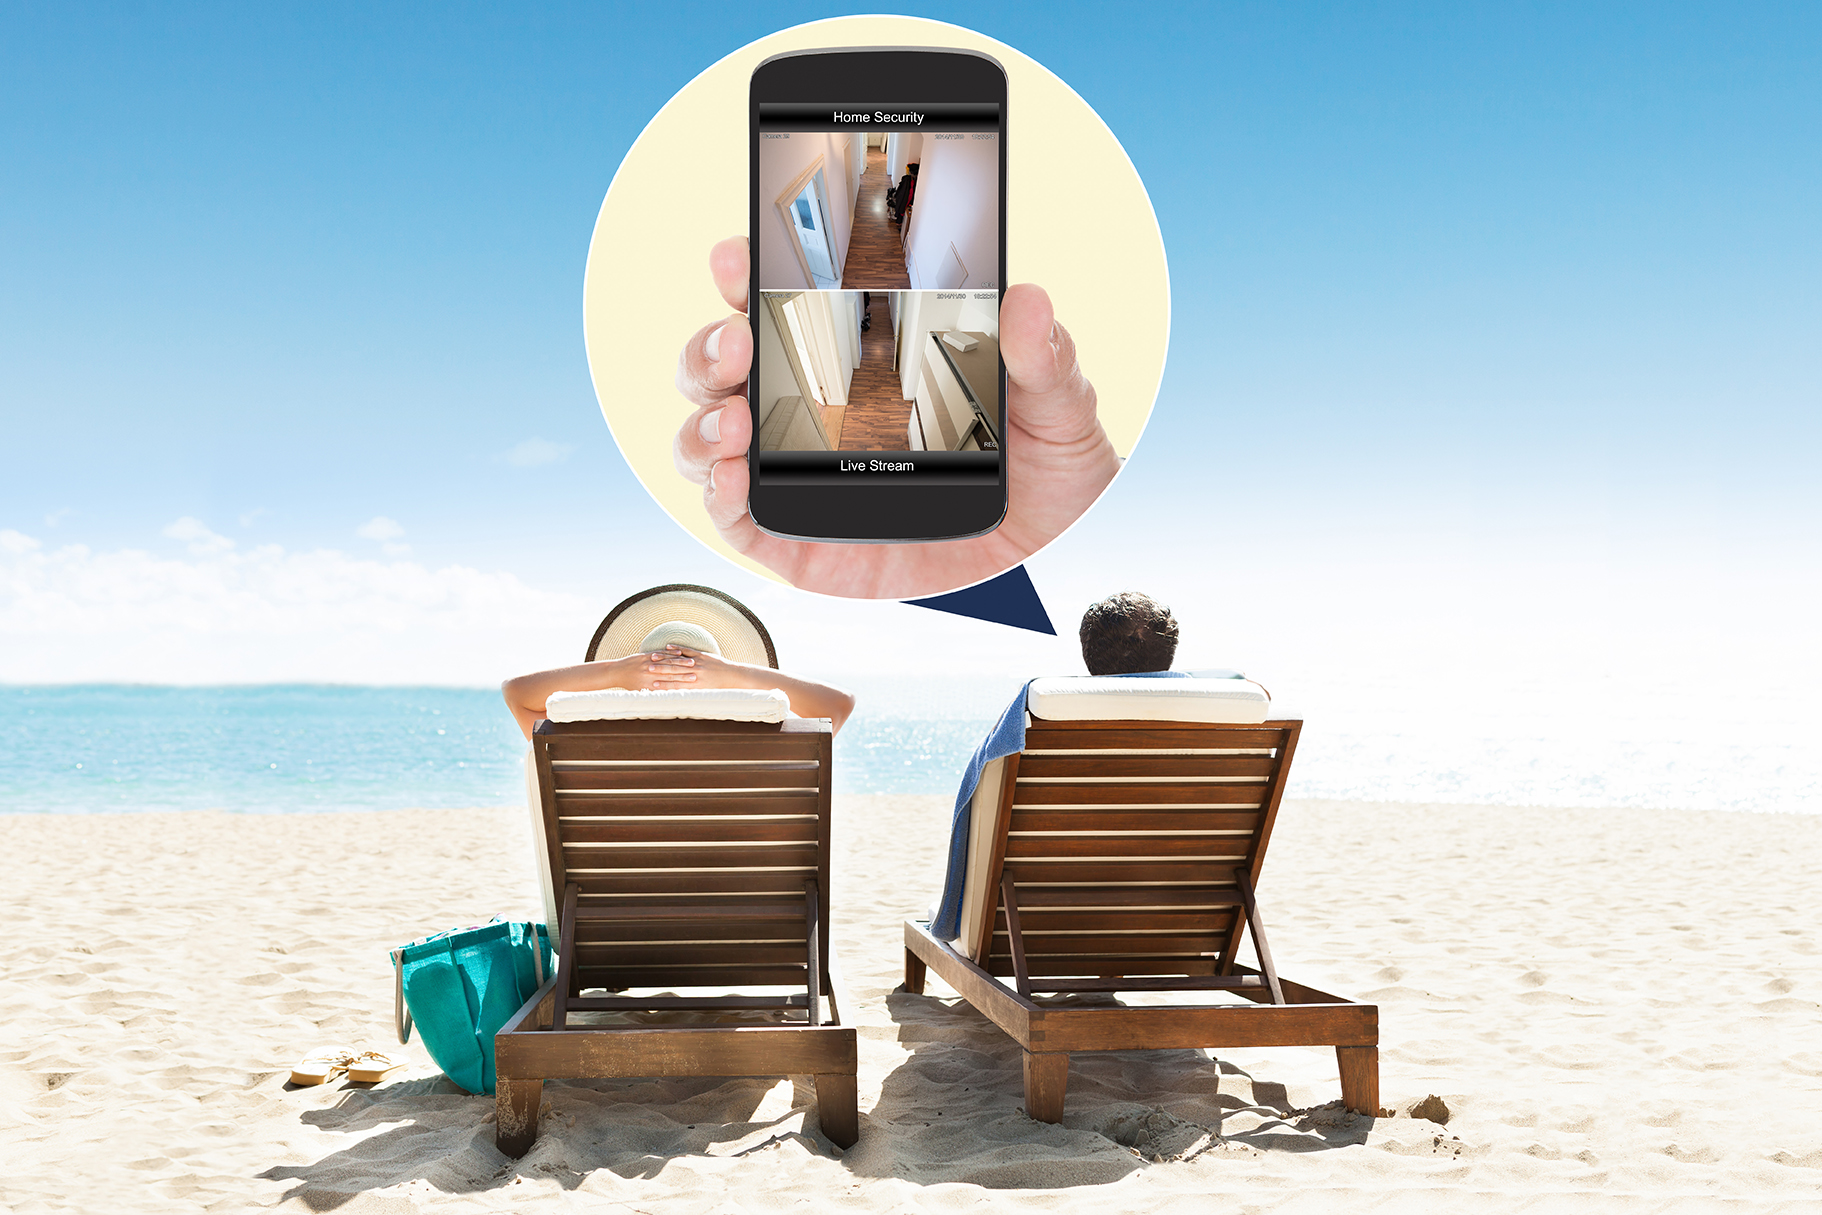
(685, 855)
(1123, 856)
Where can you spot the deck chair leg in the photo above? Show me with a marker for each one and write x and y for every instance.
(1359, 1078)
(838, 1108)
(1257, 923)
(1046, 1078)
(1015, 936)
(914, 973)
(515, 1105)
(568, 983)
(812, 933)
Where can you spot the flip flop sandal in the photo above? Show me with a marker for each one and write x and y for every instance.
(321, 1065)
(372, 1067)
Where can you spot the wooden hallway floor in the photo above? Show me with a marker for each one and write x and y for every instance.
(877, 416)
(876, 255)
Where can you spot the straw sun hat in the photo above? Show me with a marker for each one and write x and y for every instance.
(699, 617)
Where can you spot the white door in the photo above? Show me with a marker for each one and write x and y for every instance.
(811, 224)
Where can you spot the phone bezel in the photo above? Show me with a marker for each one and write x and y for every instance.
(871, 512)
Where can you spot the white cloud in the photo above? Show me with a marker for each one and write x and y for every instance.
(380, 528)
(387, 532)
(262, 614)
(197, 535)
(534, 452)
(16, 542)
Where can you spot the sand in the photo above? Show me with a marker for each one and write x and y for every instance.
(1616, 1008)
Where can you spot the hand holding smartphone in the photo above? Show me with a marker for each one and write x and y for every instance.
(877, 204)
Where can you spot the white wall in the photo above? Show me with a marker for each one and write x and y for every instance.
(980, 316)
(921, 312)
(957, 202)
(768, 348)
(902, 148)
(780, 162)
(846, 309)
(857, 142)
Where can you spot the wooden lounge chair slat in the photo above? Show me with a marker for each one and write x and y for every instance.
(651, 931)
(1114, 821)
(1075, 873)
(693, 884)
(1172, 983)
(591, 955)
(582, 807)
(675, 977)
(1105, 965)
(683, 1003)
(683, 747)
(745, 910)
(1094, 914)
(692, 831)
(1097, 898)
(1139, 795)
(1046, 766)
(1019, 847)
(687, 780)
(1137, 944)
(1046, 920)
(693, 857)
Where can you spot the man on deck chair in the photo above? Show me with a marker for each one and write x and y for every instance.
(1128, 634)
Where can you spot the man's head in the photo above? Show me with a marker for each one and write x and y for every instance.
(1128, 633)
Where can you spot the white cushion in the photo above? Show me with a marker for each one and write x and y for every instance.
(708, 704)
(1115, 698)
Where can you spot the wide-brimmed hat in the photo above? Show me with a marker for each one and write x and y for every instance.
(630, 627)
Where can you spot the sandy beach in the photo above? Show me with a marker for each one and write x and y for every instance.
(1617, 1008)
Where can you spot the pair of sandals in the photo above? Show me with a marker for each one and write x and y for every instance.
(325, 1063)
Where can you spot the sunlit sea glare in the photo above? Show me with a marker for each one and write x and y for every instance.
(292, 748)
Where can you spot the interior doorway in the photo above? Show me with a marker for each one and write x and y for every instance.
(804, 205)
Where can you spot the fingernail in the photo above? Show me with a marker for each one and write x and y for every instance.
(710, 427)
(1055, 338)
(712, 347)
(713, 469)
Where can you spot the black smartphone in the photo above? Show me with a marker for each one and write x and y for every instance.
(878, 220)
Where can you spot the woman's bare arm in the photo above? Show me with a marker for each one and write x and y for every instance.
(675, 668)
(525, 694)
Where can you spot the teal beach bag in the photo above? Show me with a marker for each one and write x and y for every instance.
(459, 987)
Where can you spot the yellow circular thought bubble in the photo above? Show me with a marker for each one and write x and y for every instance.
(1078, 223)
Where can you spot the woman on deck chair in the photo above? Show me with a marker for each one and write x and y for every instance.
(671, 638)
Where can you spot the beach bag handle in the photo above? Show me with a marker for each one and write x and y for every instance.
(401, 1011)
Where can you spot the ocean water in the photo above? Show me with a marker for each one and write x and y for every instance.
(288, 748)
(284, 748)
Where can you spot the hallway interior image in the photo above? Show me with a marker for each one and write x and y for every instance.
(876, 253)
(878, 211)
(877, 371)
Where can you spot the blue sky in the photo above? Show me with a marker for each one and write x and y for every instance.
(1459, 291)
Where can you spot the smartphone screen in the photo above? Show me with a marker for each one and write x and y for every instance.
(878, 248)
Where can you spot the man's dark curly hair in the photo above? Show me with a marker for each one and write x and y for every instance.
(1127, 633)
